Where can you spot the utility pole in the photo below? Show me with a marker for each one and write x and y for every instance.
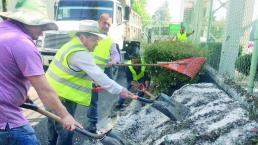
(210, 19)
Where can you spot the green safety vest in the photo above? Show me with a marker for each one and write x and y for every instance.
(136, 77)
(181, 37)
(69, 84)
(102, 52)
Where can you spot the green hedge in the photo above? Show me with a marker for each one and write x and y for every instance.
(213, 54)
(164, 79)
(243, 64)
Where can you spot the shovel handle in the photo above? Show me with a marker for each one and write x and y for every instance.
(58, 119)
(98, 89)
(149, 94)
(136, 84)
(136, 64)
(165, 62)
(151, 64)
(142, 99)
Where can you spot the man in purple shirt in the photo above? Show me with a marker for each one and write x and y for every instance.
(21, 66)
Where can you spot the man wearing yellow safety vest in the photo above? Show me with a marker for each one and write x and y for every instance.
(182, 35)
(71, 73)
(105, 55)
(134, 74)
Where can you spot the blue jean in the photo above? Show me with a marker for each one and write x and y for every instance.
(92, 113)
(57, 135)
(23, 135)
(108, 72)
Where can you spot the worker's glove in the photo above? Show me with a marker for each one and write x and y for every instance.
(141, 87)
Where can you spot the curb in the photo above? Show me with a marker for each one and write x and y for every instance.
(241, 98)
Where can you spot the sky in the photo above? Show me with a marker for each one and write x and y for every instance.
(174, 6)
(255, 10)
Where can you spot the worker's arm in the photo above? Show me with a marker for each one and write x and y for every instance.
(84, 61)
(51, 100)
(114, 55)
(29, 62)
(188, 34)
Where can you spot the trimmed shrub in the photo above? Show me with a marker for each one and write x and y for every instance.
(213, 54)
(164, 79)
(243, 64)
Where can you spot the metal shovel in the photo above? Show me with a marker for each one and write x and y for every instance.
(104, 138)
(165, 104)
(168, 106)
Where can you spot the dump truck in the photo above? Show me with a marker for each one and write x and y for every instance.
(125, 29)
(7, 5)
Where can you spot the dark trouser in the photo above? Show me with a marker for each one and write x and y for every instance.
(108, 72)
(23, 135)
(57, 135)
(92, 113)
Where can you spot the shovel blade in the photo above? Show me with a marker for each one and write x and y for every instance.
(110, 141)
(118, 136)
(171, 108)
(189, 66)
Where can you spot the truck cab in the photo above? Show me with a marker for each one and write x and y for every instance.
(68, 13)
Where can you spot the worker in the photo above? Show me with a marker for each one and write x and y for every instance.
(71, 73)
(20, 67)
(182, 35)
(134, 75)
(105, 54)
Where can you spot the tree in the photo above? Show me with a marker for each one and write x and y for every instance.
(139, 7)
(162, 14)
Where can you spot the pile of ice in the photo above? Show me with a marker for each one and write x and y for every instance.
(215, 118)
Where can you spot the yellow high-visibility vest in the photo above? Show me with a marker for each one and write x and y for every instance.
(136, 76)
(181, 37)
(69, 84)
(102, 52)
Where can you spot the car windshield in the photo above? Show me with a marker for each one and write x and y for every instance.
(79, 10)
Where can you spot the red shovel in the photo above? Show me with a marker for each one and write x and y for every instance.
(189, 66)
